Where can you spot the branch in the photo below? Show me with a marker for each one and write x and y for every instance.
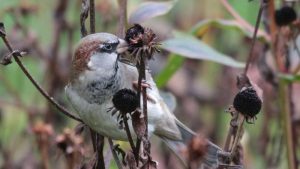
(127, 129)
(122, 18)
(85, 7)
(111, 145)
(92, 16)
(15, 55)
(250, 57)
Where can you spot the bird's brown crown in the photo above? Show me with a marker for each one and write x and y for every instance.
(85, 49)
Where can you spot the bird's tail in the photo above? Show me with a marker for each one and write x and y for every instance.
(210, 159)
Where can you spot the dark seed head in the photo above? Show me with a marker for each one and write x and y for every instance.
(134, 35)
(285, 16)
(247, 102)
(125, 100)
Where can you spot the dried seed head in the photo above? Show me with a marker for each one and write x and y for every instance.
(43, 129)
(125, 100)
(247, 102)
(69, 142)
(197, 149)
(285, 16)
(141, 42)
(134, 36)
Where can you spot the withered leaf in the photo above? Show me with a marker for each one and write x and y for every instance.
(138, 124)
(130, 160)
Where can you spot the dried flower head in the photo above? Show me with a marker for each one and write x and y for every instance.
(285, 16)
(141, 42)
(247, 102)
(69, 143)
(43, 129)
(125, 100)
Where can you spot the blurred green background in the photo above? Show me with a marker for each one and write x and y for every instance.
(203, 89)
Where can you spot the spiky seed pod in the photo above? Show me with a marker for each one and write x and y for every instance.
(141, 42)
(125, 100)
(247, 102)
(135, 32)
(285, 16)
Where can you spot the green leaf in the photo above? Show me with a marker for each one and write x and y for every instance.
(173, 64)
(148, 10)
(203, 26)
(193, 48)
(288, 78)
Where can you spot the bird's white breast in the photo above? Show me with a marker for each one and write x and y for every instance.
(96, 115)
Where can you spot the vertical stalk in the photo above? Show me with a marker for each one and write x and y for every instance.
(111, 145)
(287, 123)
(127, 129)
(144, 94)
(92, 16)
(122, 18)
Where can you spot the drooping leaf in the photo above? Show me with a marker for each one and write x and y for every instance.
(148, 10)
(203, 26)
(289, 78)
(173, 64)
(193, 48)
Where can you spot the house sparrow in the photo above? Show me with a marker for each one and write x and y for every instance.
(97, 75)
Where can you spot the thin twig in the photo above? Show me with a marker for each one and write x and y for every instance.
(238, 135)
(286, 113)
(99, 148)
(17, 54)
(250, 57)
(85, 7)
(122, 18)
(127, 129)
(92, 16)
(139, 141)
(141, 89)
(115, 155)
(242, 21)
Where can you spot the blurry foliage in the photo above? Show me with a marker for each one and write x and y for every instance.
(18, 97)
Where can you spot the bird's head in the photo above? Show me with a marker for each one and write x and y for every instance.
(96, 52)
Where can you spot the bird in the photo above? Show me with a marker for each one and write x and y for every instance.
(97, 74)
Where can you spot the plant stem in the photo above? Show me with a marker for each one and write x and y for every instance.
(127, 129)
(92, 17)
(115, 155)
(250, 57)
(122, 18)
(85, 7)
(287, 122)
(17, 54)
(144, 94)
(239, 134)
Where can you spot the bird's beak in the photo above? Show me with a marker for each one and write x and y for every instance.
(122, 46)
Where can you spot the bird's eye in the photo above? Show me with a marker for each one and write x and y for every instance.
(107, 46)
